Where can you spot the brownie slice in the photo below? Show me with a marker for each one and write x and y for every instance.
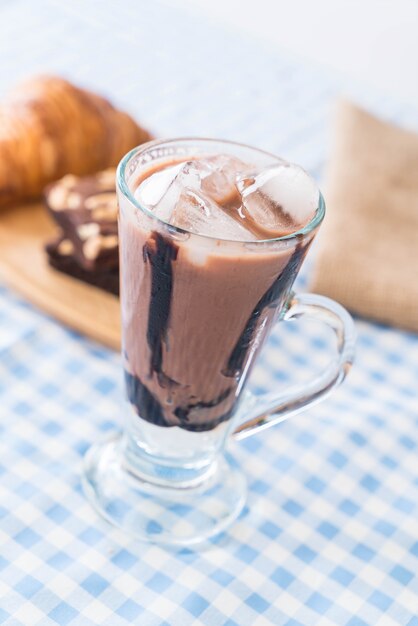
(85, 208)
(61, 257)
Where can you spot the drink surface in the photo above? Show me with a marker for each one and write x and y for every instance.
(221, 196)
(196, 310)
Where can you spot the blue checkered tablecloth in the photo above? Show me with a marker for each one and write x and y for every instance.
(330, 533)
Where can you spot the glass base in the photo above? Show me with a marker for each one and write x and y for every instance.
(160, 512)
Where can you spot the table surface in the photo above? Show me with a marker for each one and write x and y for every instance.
(330, 533)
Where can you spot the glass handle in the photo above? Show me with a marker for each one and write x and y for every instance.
(260, 412)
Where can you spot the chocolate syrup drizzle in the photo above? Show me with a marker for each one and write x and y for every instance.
(161, 253)
(271, 299)
(183, 412)
(149, 408)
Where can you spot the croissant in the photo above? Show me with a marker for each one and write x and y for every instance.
(49, 128)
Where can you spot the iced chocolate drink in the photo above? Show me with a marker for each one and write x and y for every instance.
(212, 236)
(201, 286)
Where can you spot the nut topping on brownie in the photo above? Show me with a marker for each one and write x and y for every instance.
(86, 210)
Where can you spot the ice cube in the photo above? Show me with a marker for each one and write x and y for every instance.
(214, 175)
(198, 213)
(161, 191)
(192, 196)
(218, 174)
(277, 200)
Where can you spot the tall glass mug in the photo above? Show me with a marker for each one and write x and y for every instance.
(196, 311)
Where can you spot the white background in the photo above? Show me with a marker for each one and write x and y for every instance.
(374, 41)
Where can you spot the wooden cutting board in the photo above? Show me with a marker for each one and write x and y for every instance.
(24, 267)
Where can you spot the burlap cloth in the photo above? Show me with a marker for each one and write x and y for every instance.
(367, 254)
